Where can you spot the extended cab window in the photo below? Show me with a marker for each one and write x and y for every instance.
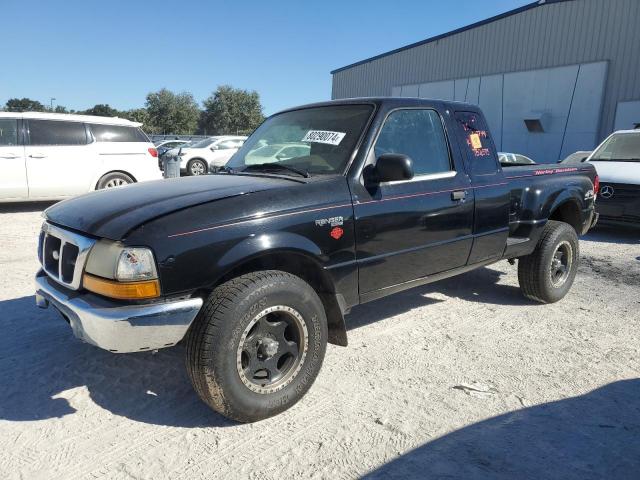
(8, 132)
(53, 132)
(480, 151)
(417, 133)
(117, 133)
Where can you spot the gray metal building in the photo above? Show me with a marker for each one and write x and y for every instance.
(552, 77)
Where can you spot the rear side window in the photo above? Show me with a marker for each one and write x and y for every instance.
(227, 144)
(8, 132)
(418, 134)
(480, 151)
(53, 132)
(117, 133)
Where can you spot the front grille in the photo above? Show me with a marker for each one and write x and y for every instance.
(622, 190)
(63, 254)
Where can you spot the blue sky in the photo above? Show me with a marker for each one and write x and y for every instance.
(115, 52)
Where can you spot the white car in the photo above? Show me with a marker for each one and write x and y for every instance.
(49, 156)
(507, 159)
(277, 152)
(617, 161)
(166, 145)
(207, 154)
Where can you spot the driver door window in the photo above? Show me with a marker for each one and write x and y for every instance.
(419, 134)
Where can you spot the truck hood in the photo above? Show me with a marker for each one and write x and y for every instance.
(112, 213)
(618, 172)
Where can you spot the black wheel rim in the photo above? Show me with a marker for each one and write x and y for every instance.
(561, 264)
(272, 349)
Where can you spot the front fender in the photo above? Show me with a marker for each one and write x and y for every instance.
(268, 243)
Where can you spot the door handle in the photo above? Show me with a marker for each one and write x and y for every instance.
(37, 155)
(9, 155)
(458, 195)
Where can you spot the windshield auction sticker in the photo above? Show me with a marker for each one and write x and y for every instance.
(324, 136)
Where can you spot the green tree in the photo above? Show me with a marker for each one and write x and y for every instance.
(102, 110)
(231, 111)
(172, 112)
(23, 105)
(136, 115)
(60, 109)
(142, 116)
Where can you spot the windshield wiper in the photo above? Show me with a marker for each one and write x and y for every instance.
(276, 166)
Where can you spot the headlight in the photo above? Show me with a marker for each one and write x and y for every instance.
(116, 271)
(135, 264)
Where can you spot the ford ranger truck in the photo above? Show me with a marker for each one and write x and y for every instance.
(254, 268)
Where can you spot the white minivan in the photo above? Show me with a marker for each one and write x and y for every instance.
(49, 156)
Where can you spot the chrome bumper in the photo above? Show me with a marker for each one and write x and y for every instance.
(116, 327)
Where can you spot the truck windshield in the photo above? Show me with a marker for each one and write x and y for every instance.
(620, 147)
(317, 140)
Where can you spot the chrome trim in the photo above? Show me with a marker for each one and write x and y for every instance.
(424, 178)
(117, 327)
(84, 245)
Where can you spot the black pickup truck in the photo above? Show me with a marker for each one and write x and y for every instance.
(326, 206)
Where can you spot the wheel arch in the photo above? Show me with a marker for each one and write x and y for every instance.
(300, 260)
(567, 211)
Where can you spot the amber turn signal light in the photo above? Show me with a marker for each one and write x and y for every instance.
(121, 290)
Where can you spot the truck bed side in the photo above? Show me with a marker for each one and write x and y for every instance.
(546, 192)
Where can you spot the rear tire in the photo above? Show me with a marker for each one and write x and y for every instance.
(114, 179)
(257, 345)
(547, 274)
(197, 167)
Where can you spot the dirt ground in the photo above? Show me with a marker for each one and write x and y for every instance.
(463, 378)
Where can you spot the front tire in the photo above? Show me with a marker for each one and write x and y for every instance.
(547, 274)
(114, 179)
(257, 345)
(197, 167)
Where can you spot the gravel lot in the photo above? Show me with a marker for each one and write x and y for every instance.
(459, 379)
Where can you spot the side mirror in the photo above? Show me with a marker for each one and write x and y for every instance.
(214, 148)
(391, 167)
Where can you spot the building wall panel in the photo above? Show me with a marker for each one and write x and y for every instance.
(555, 34)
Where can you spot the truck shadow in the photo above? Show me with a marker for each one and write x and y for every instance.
(25, 207)
(479, 285)
(44, 371)
(615, 235)
(591, 436)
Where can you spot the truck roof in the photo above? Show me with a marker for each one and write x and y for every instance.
(393, 102)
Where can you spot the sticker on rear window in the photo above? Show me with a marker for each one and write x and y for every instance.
(324, 136)
(476, 143)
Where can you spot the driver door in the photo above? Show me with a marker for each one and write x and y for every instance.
(409, 229)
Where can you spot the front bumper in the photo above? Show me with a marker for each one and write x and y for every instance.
(116, 327)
